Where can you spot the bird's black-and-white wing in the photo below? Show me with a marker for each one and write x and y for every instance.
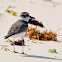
(16, 28)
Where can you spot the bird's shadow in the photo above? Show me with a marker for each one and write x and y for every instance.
(59, 41)
(43, 57)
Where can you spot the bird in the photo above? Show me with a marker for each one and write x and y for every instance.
(19, 28)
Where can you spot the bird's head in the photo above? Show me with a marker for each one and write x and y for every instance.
(25, 16)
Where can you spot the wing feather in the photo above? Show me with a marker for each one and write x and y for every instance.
(16, 28)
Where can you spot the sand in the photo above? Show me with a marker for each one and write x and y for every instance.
(45, 12)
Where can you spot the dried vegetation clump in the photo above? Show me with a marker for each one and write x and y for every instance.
(34, 34)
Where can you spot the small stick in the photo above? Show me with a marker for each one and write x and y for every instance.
(13, 46)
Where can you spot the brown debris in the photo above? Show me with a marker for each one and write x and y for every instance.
(4, 47)
(33, 33)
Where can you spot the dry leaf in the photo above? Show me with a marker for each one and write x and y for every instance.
(5, 45)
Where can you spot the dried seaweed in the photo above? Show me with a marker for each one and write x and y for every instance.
(11, 12)
(8, 40)
(34, 34)
(52, 51)
(4, 47)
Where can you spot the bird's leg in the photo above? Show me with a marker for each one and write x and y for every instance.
(22, 46)
(13, 46)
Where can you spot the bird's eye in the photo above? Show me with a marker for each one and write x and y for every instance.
(27, 15)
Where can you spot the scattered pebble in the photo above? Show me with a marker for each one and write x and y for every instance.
(28, 48)
(55, 56)
(11, 6)
(28, 40)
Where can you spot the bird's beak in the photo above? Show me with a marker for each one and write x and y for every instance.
(32, 17)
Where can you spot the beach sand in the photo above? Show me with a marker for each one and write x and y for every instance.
(45, 12)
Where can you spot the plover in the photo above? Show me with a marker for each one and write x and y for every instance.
(19, 28)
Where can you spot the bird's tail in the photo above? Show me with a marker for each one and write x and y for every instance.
(6, 37)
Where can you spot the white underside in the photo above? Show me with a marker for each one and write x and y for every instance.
(19, 36)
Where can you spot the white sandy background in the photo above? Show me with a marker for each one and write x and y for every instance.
(45, 12)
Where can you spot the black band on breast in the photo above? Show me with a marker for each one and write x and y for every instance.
(25, 22)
